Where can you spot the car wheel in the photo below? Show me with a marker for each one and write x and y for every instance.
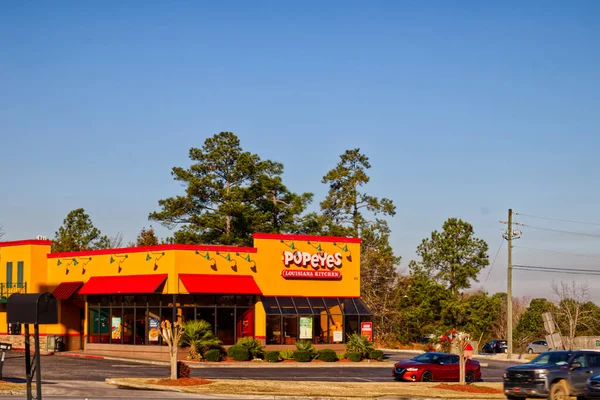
(470, 377)
(558, 391)
(530, 351)
(426, 377)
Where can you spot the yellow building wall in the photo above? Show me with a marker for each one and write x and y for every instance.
(270, 264)
(33, 255)
(43, 272)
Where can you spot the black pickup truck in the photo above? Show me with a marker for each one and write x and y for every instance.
(554, 374)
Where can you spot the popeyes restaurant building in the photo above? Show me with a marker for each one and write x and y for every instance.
(284, 289)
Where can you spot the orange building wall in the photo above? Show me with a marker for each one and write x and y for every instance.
(44, 272)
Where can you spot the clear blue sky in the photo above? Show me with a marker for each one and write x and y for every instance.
(464, 108)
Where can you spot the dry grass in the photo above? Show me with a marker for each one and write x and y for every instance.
(316, 389)
(12, 388)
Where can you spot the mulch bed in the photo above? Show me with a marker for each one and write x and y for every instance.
(468, 388)
(181, 382)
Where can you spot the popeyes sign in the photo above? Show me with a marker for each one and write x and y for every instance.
(323, 265)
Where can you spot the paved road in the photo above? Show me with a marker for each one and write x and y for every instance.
(60, 368)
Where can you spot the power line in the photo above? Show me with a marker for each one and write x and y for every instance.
(496, 256)
(559, 252)
(541, 268)
(561, 231)
(559, 219)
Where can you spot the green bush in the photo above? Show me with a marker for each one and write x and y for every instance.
(302, 355)
(353, 356)
(376, 355)
(305, 345)
(239, 353)
(213, 355)
(341, 355)
(286, 354)
(358, 344)
(327, 355)
(272, 356)
(256, 349)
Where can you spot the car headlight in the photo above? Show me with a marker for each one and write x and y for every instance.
(412, 369)
(542, 373)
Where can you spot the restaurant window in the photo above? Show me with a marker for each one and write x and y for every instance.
(286, 305)
(273, 329)
(336, 320)
(290, 329)
(116, 324)
(271, 306)
(331, 320)
(207, 314)
(226, 325)
(244, 301)
(205, 300)
(20, 274)
(225, 300)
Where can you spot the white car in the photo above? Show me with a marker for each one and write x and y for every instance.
(537, 346)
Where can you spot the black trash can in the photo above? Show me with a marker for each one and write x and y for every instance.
(59, 344)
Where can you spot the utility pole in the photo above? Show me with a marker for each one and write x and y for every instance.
(509, 286)
(509, 235)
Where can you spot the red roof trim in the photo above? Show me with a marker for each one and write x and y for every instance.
(311, 297)
(286, 236)
(164, 247)
(28, 242)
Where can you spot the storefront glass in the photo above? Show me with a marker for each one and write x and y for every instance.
(321, 320)
(128, 319)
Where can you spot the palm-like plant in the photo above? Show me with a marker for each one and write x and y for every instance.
(358, 344)
(199, 336)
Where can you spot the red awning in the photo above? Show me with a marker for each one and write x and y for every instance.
(66, 289)
(217, 284)
(130, 284)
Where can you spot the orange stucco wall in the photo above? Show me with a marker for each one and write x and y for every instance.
(264, 262)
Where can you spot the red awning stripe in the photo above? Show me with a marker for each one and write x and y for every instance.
(129, 284)
(65, 290)
(219, 284)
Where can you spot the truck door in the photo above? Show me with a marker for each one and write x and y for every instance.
(580, 374)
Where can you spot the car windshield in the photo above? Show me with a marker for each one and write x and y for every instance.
(428, 358)
(552, 357)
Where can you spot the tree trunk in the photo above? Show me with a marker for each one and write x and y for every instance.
(173, 350)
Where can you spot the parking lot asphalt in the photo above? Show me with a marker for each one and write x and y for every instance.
(65, 368)
(67, 377)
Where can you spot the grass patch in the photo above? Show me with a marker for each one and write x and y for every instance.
(321, 389)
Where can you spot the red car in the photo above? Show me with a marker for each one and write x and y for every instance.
(430, 367)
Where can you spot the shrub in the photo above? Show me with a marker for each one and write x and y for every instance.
(239, 353)
(305, 345)
(253, 345)
(198, 335)
(358, 344)
(272, 356)
(302, 355)
(353, 356)
(341, 355)
(183, 370)
(327, 355)
(286, 354)
(213, 355)
(376, 355)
